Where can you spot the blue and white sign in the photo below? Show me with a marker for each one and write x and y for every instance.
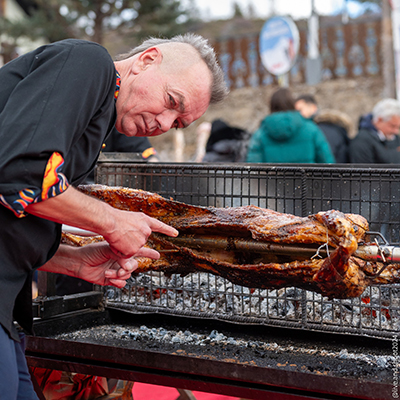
(279, 45)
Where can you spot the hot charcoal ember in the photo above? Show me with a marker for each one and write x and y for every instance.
(339, 275)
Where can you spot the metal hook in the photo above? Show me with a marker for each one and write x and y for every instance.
(380, 252)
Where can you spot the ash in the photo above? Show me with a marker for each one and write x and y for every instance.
(162, 335)
(376, 311)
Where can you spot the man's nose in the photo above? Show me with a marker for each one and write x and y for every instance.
(166, 120)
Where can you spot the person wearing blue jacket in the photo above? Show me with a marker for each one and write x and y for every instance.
(285, 136)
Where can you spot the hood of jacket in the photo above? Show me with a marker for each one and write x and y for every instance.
(365, 122)
(281, 126)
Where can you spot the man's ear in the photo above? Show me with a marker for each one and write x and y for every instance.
(147, 58)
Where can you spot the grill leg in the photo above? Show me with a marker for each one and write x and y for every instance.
(185, 395)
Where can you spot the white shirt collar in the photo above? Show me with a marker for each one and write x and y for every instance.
(383, 137)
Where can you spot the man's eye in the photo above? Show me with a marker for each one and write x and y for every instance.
(172, 101)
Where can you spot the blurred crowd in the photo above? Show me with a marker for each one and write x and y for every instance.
(296, 131)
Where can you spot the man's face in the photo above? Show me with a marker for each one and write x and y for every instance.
(307, 110)
(156, 98)
(389, 127)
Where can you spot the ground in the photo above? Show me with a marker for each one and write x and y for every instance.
(246, 107)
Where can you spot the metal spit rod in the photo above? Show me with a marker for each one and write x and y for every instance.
(372, 252)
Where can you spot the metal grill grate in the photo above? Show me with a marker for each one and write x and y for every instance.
(371, 191)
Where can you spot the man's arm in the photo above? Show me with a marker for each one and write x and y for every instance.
(125, 231)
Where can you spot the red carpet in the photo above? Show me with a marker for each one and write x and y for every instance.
(143, 391)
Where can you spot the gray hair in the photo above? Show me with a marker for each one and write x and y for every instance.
(219, 89)
(386, 109)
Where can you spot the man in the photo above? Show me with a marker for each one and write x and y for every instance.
(306, 104)
(57, 106)
(378, 139)
(334, 124)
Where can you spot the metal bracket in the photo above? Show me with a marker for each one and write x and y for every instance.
(46, 307)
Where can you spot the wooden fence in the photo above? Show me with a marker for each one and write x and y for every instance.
(347, 51)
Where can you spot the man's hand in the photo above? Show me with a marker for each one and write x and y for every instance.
(96, 263)
(131, 232)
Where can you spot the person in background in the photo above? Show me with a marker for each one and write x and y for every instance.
(307, 105)
(225, 143)
(334, 124)
(377, 140)
(58, 104)
(285, 136)
(117, 142)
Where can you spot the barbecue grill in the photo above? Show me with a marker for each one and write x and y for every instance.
(203, 332)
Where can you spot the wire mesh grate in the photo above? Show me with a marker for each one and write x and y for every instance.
(370, 191)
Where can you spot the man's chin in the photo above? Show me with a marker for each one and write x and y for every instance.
(129, 132)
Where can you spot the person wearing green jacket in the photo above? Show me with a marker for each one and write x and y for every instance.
(285, 136)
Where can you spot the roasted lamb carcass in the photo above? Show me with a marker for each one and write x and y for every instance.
(255, 247)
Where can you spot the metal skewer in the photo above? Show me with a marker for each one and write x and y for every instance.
(372, 252)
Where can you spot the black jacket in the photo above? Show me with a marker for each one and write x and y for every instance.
(336, 126)
(226, 143)
(368, 148)
(58, 98)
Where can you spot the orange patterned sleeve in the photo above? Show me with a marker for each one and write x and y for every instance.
(54, 183)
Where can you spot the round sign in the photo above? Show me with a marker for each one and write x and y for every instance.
(279, 45)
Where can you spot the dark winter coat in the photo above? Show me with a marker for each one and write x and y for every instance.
(368, 148)
(336, 126)
(226, 143)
